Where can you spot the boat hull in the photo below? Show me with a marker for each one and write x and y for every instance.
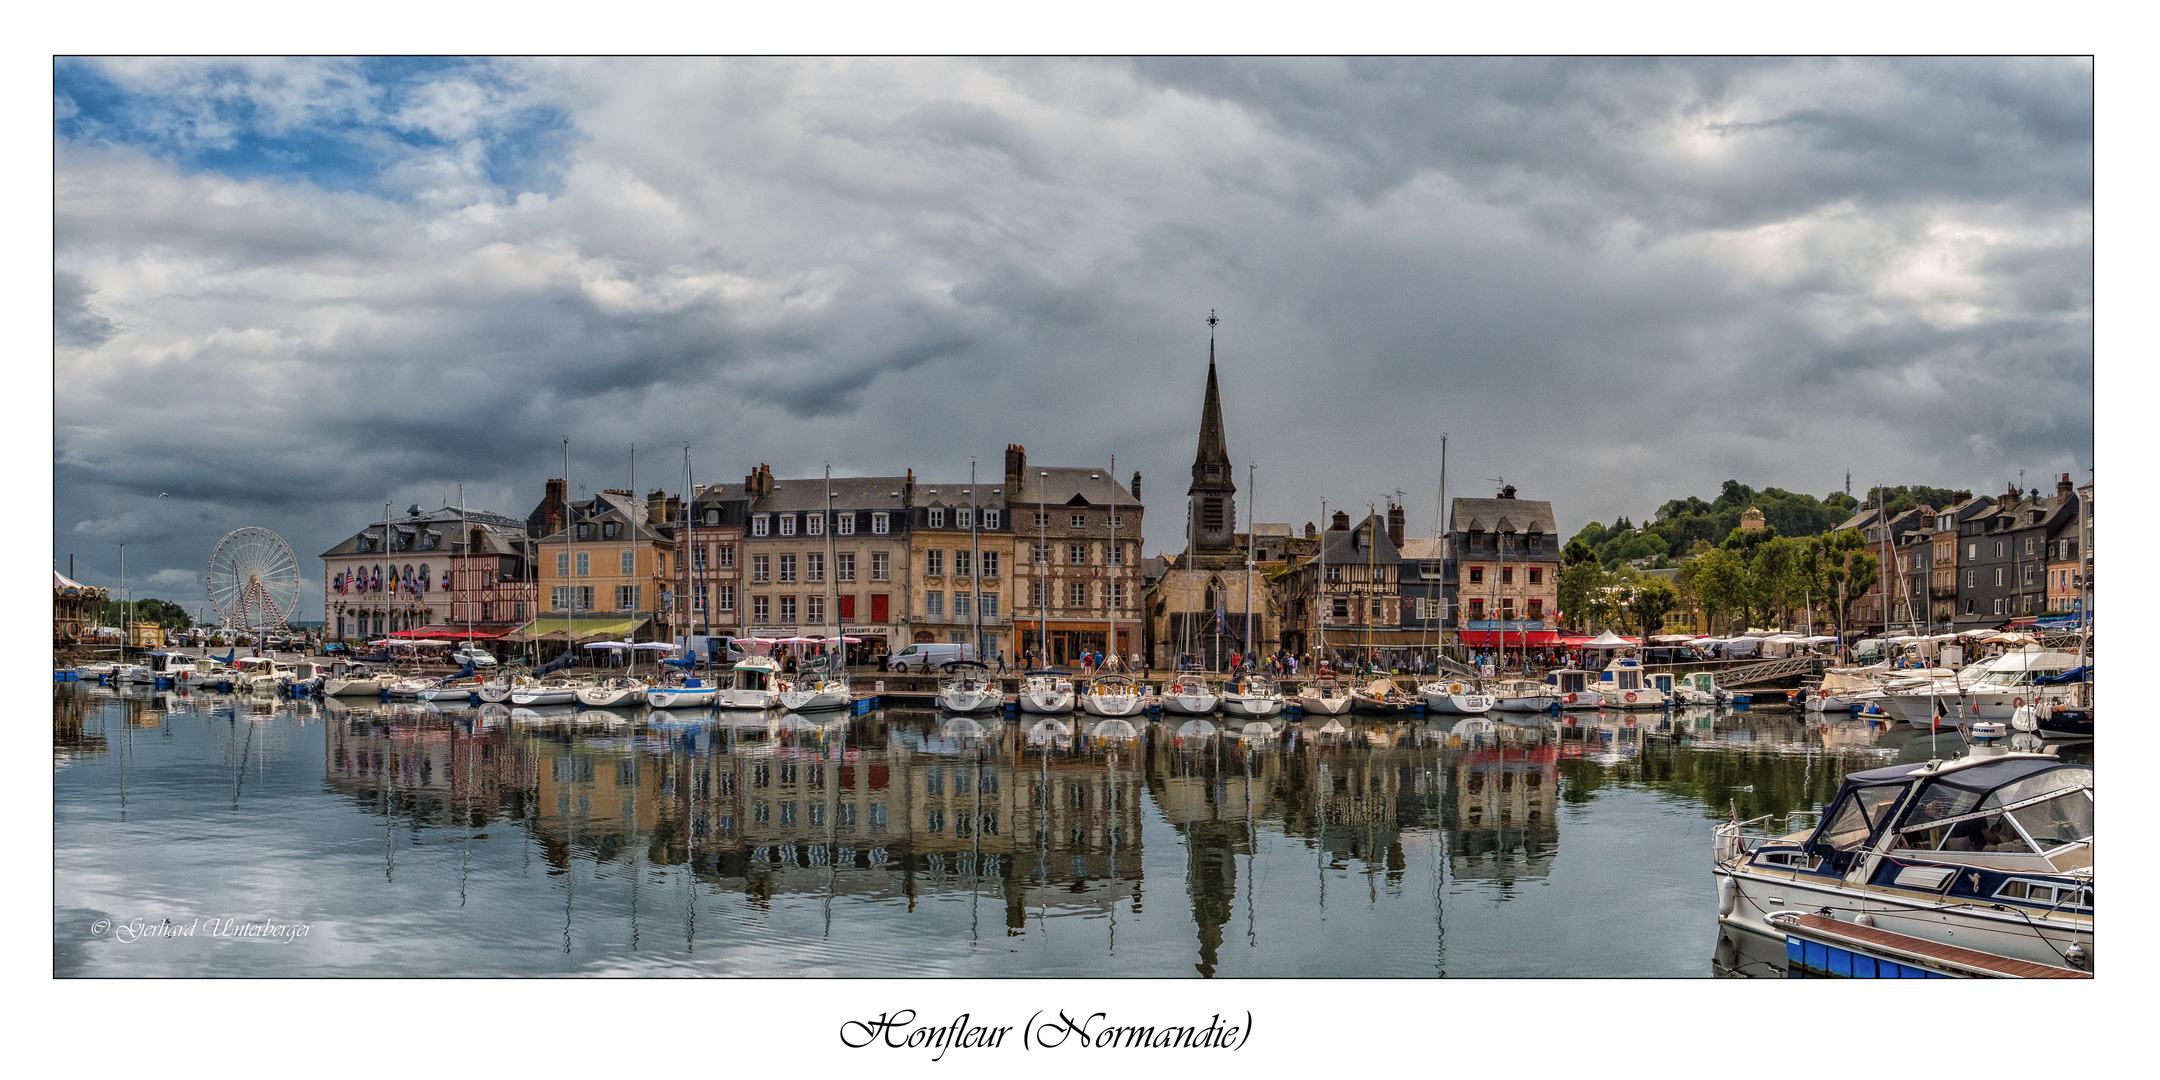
(1972, 926)
(1190, 704)
(813, 700)
(1046, 702)
(1252, 707)
(1524, 704)
(970, 701)
(1458, 704)
(544, 695)
(681, 697)
(611, 697)
(1323, 706)
(1113, 705)
(1379, 707)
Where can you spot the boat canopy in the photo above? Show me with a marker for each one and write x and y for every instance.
(2010, 804)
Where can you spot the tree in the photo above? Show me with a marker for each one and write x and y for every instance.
(1838, 568)
(1721, 582)
(1576, 551)
(1778, 579)
(1577, 585)
(1653, 597)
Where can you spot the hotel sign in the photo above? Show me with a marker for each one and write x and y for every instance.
(1509, 625)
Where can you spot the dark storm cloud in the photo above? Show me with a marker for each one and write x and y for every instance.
(288, 292)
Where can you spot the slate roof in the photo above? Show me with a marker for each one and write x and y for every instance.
(848, 493)
(1423, 547)
(1502, 515)
(444, 523)
(1069, 486)
(1340, 545)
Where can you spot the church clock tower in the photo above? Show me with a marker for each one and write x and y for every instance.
(1212, 498)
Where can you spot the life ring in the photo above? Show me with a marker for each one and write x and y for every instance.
(2017, 702)
(1631, 695)
(1571, 699)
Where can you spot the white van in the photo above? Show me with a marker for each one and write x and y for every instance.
(927, 655)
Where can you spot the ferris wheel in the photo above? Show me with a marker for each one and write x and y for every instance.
(254, 580)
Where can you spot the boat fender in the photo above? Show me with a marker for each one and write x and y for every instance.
(1864, 919)
(1726, 895)
(2023, 719)
(2076, 955)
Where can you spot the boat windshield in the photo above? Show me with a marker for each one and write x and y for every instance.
(1857, 815)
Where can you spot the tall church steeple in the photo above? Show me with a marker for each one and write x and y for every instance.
(1212, 496)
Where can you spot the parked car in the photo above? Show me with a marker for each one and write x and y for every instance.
(474, 655)
(924, 655)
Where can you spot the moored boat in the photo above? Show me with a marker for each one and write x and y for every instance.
(968, 688)
(814, 691)
(1524, 695)
(620, 692)
(1991, 852)
(1623, 685)
(1113, 695)
(691, 693)
(1047, 691)
(1253, 697)
(1189, 695)
(1457, 697)
(554, 691)
(751, 685)
(1323, 696)
(1381, 697)
(1575, 688)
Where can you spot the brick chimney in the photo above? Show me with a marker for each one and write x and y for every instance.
(758, 484)
(551, 508)
(1395, 525)
(907, 490)
(659, 509)
(2007, 499)
(1310, 531)
(2064, 487)
(1015, 470)
(1341, 522)
(1136, 485)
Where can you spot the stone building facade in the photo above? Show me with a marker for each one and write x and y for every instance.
(1077, 536)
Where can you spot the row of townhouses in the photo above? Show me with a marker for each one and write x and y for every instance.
(1043, 557)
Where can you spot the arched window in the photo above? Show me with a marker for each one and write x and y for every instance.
(427, 584)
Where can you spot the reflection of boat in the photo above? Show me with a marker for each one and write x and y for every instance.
(1257, 730)
(537, 714)
(1384, 698)
(1050, 733)
(1474, 727)
(1323, 696)
(499, 686)
(1114, 728)
(1455, 696)
(960, 727)
(1046, 691)
(1990, 852)
(1195, 728)
(967, 688)
(1252, 696)
(753, 684)
(1189, 695)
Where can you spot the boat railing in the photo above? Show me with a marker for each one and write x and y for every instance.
(1734, 838)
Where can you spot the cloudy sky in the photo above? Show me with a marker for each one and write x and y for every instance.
(287, 292)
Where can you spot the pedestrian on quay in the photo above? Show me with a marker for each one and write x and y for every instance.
(1001, 661)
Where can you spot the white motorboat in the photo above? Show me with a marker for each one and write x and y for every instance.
(620, 692)
(304, 677)
(1189, 695)
(1524, 695)
(1922, 703)
(1323, 696)
(814, 690)
(257, 674)
(1113, 695)
(1624, 687)
(1699, 688)
(548, 692)
(1046, 691)
(1458, 697)
(164, 668)
(95, 671)
(1253, 697)
(2011, 685)
(691, 693)
(968, 688)
(1989, 852)
(752, 685)
(354, 680)
(1577, 689)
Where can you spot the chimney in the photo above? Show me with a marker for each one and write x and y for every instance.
(907, 489)
(1508, 492)
(1310, 531)
(2007, 499)
(551, 508)
(1395, 525)
(658, 509)
(2064, 487)
(1015, 470)
(1136, 485)
(1341, 523)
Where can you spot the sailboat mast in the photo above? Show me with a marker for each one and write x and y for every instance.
(1252, 549)
(570, 594)
(1110, 563)
(1440, 551)
(466, 536)
(975, 566)
(1320, 589)
(832, 586)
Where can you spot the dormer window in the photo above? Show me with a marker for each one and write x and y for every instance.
(990, 519)
(846, 525)
(1477, 538)
(880, 523)
(787, 524)
(761, 525)
(964, 517)
(816, 523)
(584, 530)
(712, 517)
(937, 517)
(607, 531)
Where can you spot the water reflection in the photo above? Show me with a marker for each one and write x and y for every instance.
(908, 843)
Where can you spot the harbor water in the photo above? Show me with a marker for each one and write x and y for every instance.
(212, 834)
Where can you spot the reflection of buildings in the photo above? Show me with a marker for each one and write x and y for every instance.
(409, 762)
(1504, 805)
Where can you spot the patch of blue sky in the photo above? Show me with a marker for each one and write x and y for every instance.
(216, 123)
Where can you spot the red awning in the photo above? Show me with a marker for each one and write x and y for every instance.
(1515, 638)
(457, 632)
